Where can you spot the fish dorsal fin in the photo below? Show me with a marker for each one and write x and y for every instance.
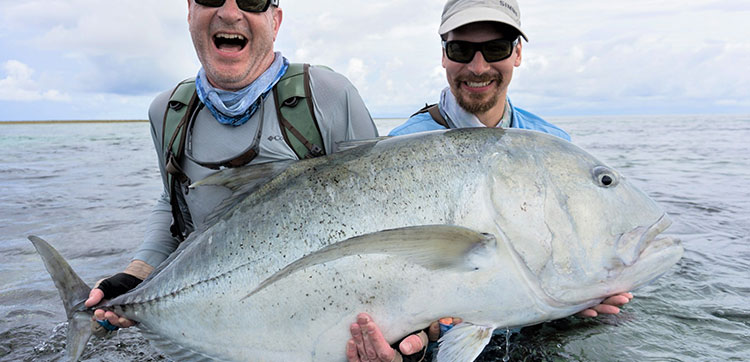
(347, 145)
(432, 246)
(463, 342)
(242, 181)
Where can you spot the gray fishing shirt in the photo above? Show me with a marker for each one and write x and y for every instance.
(341, 116)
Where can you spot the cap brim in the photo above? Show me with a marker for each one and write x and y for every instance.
(475, 15)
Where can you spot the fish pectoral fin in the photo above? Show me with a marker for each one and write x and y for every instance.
(432, 246)
(463, 342)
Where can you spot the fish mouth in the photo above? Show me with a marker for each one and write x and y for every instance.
(649, 258)
(642, 246)
(642, 241)
(644, 256)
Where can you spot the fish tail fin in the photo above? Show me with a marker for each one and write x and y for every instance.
(73, 292)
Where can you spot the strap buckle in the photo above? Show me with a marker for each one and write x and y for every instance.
(315, 151)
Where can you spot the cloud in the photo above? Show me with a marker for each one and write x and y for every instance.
(584, 56)
(134, 47)
(19, 85)
(634, 57)
(357, 72)
(388, 49)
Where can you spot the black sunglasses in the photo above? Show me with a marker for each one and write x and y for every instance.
(252, 6)
(493, 51)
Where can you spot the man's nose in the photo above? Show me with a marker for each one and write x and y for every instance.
(478, 65)
(230, 12)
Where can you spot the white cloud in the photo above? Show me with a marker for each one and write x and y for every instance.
(131, 47)
(19, 85)
(640, 56)
(585, 56)
(396, 42)
(357, 72)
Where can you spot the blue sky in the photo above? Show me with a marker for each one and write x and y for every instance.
(87, 59)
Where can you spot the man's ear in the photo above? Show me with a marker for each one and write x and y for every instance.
(519, 47)
(278, 15)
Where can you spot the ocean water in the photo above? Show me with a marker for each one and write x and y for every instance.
(87, 188)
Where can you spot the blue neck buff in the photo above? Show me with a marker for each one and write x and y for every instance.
(235, 108)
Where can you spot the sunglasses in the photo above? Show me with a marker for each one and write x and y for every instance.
(252, 6)
(493, 51)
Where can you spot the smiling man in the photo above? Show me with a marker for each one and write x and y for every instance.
(481, 47)
(247, 105)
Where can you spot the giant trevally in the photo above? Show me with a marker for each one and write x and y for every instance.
(503, 228)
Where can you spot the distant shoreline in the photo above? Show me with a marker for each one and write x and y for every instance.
(73, 121)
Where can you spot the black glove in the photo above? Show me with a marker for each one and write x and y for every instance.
(118, 284)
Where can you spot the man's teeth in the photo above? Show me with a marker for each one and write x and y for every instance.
(230, 36)
(478, 84)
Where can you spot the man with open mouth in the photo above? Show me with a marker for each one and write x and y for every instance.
(247, 105)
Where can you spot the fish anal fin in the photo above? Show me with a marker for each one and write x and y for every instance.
(463, 342)
(431, 246)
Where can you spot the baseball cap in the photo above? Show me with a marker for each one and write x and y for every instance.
(457, 13)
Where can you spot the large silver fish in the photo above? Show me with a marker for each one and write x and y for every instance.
(503, 228)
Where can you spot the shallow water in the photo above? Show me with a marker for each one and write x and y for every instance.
(87, 188)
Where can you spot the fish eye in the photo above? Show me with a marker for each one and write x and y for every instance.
(605, 177)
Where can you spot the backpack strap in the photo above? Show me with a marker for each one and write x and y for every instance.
(183, 100)
(298, 123)
(434, 112)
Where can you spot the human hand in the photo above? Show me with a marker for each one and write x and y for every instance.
(368, 344)
(608, 306)
(109, 288)
(115, 285)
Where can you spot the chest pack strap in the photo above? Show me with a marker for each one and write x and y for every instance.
(298, 124)
(248, 155)
(434, 112)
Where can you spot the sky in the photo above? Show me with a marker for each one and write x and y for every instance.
(94, 59)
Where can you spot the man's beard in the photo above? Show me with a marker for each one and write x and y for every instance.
(475, 103)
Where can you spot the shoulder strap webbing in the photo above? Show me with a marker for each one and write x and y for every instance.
(434, 112)
(176, 116)
(181, 103)
(298, 123)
